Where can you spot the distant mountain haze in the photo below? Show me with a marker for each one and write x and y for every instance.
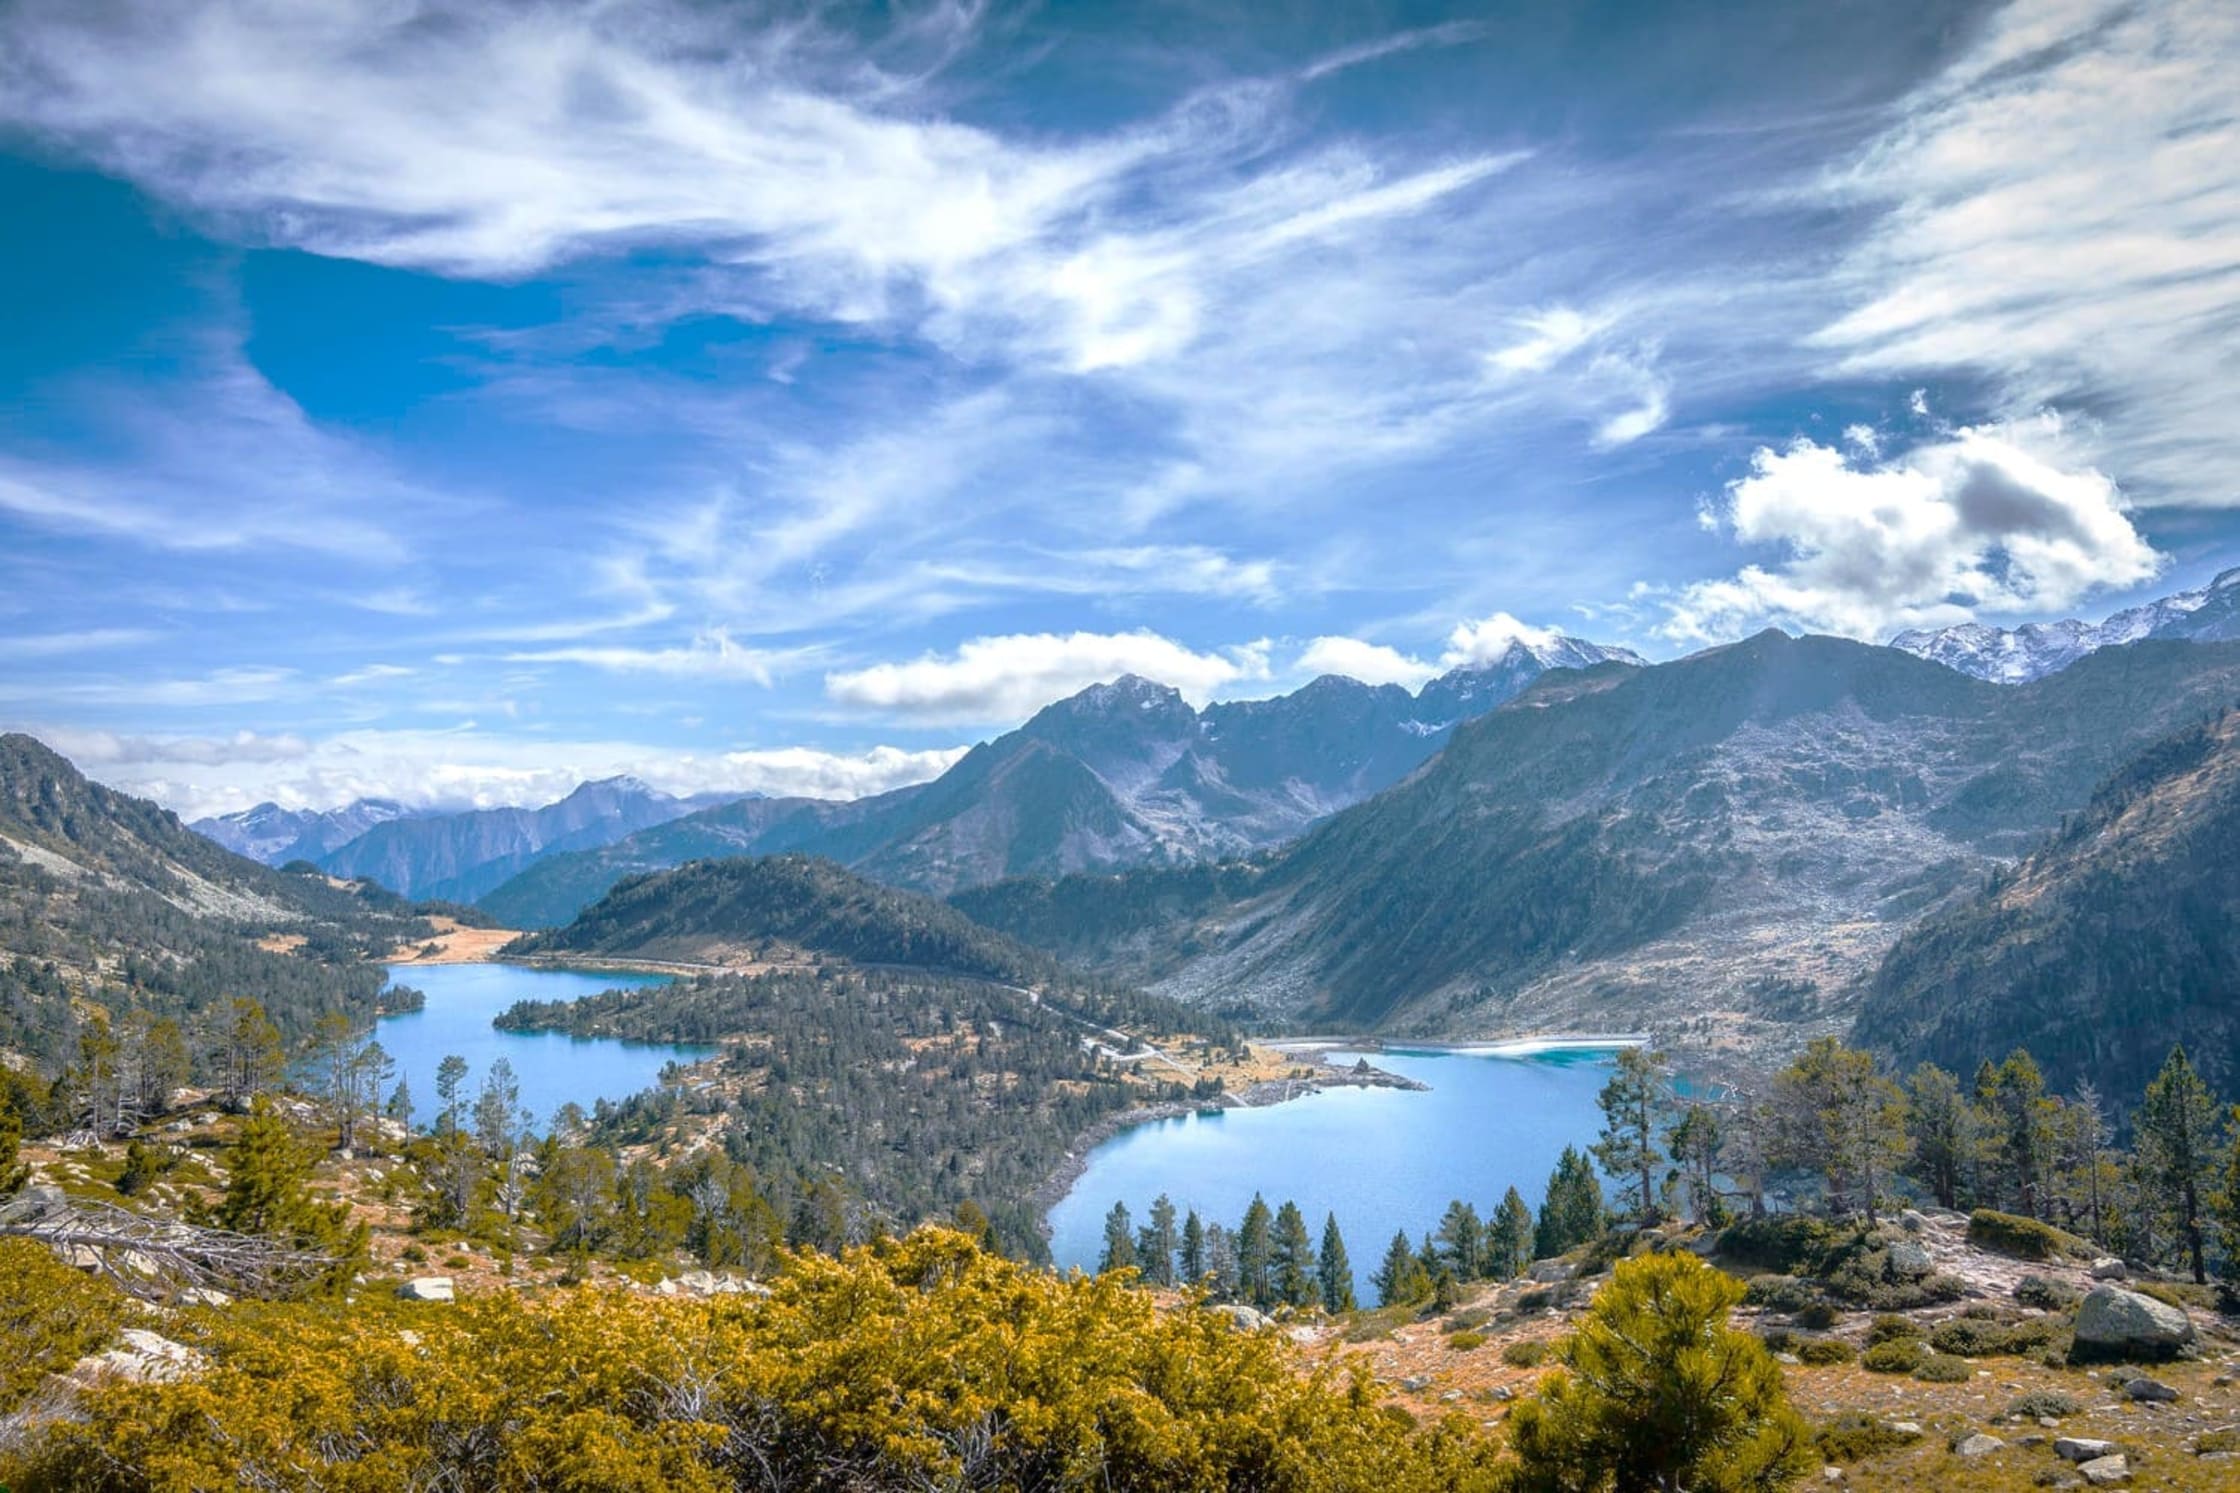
(458, 857)
(276, 836)
(1122, 774)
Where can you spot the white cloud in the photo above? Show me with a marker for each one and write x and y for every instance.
(57, 644)
(1486, 640)
(492, 142)
(1371, 663)
(468, 768)
(710, 656)
(2061, 212)
(239, 685)
(998, 680)
(1987, 521)
(1551, 336)
(1863, 438)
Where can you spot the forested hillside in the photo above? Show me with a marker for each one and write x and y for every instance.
(2115, 940)
(106, 899)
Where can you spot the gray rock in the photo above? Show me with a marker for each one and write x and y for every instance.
(1904, 1427)
(2106, 1471)
(1548, 1272)
(1243, 1318)
(2116, 1323)
(1978, 1445)
(2143, 1388)
(2107, 1267)
(428, 1288)
(2083, 1449)
(1909, 1261)
(1913, 1220)
(1416, 1383)
(140, 1357)
(1789, 1359)
(204, 1296)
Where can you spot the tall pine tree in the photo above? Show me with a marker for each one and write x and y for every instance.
(2177, 1149)
(1335, 1269)
(1294, 1280)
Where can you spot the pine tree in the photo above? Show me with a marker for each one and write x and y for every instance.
(1571, 1213)
(1837, 1116)
(451, 1083)
(2025, 1130)
(1293, 1281)
(2176, 1125)
(1509, 1238)
(266, 1193)
(1694, 1144)
(1193, 1250)
(1461, 1240)
(1400, 1279)
(1659, 1391)
(1256, 1254)
(1940, 1128)
(1221, 1263)
(1335, 1269)
(1156, 1256)
(1119, 1241)
(250, 1054)
(1633, 1103)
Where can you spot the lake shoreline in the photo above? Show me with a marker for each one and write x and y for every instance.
(1259, 1096)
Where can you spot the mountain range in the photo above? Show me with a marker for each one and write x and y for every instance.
(457, 857)
(276, 836)
(1121, 774)
(2034, 650)
(1723, 845)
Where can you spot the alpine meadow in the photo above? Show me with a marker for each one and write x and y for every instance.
(977, 745)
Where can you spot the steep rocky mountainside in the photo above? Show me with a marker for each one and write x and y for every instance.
(458, 857)
(2034, 650)
(1122, 774)
(104, 896)
(2117, 938)
(1723, 845)
(276, 836)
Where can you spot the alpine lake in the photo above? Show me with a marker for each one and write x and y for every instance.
(1381, 1159)
(553, 1068)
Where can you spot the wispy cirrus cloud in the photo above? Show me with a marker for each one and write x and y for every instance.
(2059, 211)
(221, 461)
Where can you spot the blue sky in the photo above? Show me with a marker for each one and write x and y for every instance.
(453, 401)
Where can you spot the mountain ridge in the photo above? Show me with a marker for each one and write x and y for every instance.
(1122, 773)
(2036, 649)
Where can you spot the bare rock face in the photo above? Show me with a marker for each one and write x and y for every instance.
(1978, 1445)
(2116, 1323)
(428, 1288)
(2107, 1267)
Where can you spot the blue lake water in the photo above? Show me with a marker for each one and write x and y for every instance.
(553, 1067)
(1382, 1159)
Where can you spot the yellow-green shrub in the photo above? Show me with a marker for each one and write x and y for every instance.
(915, 1363)
(50, 1317)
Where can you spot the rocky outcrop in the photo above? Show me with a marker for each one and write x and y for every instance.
(2116, 1323)
(428, 1288)
(140, 1357)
